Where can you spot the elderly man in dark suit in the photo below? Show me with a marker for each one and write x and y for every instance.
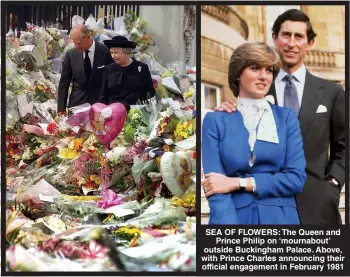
(84, 66)
(320, 106)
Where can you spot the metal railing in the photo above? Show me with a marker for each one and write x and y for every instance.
(44, 14)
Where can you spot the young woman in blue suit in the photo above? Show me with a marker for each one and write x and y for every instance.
(253, 159)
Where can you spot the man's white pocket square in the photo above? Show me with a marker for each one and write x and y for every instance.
(102, 66)
(321, 109)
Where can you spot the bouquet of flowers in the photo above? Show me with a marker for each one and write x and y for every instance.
(42, 91)
(87, 169)
(15, 81)
(42, 40)
(146, 187)
(12, 114)
(167, 126)
(135, 128)
(187, 201)
(73, 250)
(70, 148)
(161, 213)
(58, 43)
(136, 27)
(127, 233)
(184, 129)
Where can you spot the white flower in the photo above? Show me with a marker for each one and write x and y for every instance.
(62, 43)
(27, 154)
(62, 125)
(81, 181)
(136, 116)
(17, 157)
(91, 141)
(142, 129)
(116, 154)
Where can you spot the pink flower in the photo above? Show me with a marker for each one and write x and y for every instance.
(109, 199)
(11, 256)
(95, 251)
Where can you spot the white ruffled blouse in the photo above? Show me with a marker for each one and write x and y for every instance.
(257, 112)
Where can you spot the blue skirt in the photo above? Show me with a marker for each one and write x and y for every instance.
(263, 214)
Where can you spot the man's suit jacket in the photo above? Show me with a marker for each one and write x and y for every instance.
(323, 134)
(279, 168)
(83, 91)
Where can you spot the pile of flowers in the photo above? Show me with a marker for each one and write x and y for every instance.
(56, 172)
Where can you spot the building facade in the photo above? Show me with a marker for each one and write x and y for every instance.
(224, 28)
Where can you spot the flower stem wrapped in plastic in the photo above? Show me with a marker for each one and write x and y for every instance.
(161, 213)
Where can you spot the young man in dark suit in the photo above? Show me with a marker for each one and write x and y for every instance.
(320, 105)
(84, 65)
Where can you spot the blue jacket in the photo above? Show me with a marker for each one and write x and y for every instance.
(279, 169)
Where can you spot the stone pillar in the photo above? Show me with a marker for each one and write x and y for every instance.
(166, 27)
(329, 24)
(256, 20)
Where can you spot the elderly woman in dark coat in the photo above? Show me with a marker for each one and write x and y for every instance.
(127, 80)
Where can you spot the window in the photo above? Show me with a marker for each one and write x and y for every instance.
(210, 97)
(272, 12)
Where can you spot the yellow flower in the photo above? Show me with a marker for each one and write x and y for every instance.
(166, 148)
(78, 143)
(130, 232)
(188, 94)
(93, 177)
(184, 134)
(98, 180)
(72, 154)
(190, 127)
(185, 125)
(158, 160)
(64, 153)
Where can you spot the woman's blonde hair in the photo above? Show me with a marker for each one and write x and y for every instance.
(249, 54)
(127, 51)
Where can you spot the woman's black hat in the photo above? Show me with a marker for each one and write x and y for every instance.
(120, 42)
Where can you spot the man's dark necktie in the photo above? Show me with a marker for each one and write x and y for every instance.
(291, 95)
(87, 68)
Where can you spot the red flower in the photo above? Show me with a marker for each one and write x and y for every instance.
(51, 128)
(194, 156)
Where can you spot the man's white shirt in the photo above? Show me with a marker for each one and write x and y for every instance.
(299, 82)
(91, 53)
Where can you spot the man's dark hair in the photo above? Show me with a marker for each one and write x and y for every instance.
(296, 16)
